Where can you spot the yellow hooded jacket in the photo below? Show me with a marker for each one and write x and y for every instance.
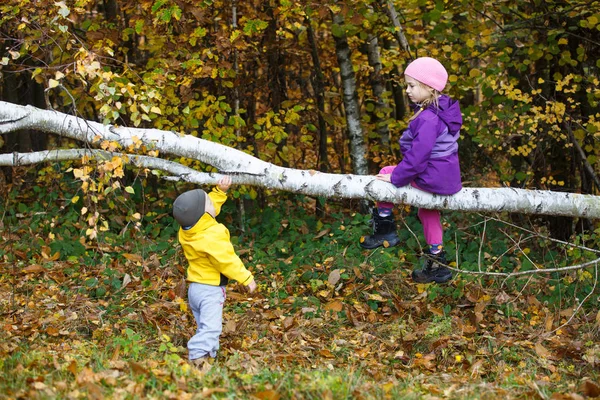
(208, 249)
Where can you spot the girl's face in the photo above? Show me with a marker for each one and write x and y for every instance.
(416, 91)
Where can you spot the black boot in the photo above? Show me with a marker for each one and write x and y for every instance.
(384, 232)
(434, 269)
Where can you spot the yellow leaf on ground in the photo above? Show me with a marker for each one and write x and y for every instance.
(542, 351)
(33, 269)
(133, 257)
(335, 305)
(267, 395)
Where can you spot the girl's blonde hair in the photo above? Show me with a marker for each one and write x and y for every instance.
(433, 99)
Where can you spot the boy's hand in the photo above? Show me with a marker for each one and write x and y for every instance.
(224, 183)
(251, 287)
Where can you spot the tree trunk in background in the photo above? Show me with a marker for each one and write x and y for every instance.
(397, 91)
(317, 83)
(250, 105)
(20, 90)
(111, 10)
(378, 114)
(277, 71)
(358, 149)
(236, 111)
(10, 94)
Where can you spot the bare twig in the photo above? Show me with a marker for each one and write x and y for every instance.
(596, 251)
(529, 272)
(582, 302)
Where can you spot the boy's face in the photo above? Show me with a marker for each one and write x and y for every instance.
(209, 207)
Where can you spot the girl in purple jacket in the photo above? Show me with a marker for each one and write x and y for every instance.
(430, 163)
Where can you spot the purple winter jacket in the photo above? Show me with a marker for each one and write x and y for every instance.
(430, 150)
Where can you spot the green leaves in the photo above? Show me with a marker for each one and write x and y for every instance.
(165, 14)
(254, 26)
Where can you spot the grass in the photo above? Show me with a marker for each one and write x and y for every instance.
(108, 319)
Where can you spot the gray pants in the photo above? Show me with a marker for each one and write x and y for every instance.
(206, 302)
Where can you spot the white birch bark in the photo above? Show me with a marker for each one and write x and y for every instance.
(358, 148)
(398, 30)
(246, 169)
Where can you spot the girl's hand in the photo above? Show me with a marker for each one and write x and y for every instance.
(384, 177)
(224, 183)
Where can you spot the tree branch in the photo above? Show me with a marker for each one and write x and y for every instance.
(247, 169)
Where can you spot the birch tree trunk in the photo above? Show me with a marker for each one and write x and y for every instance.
(246, 169)
(358, 149)
(390, 10)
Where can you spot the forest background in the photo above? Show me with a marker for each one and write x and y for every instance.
(93, 291)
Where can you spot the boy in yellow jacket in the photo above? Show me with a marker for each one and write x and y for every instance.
(211, 263)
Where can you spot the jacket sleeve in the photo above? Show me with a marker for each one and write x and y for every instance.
(223, 258)
(425, 129)
(218, 197)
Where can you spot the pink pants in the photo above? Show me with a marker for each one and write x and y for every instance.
(431, 219)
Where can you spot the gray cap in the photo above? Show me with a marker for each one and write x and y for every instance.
(189, 207)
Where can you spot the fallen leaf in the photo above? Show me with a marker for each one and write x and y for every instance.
(33, 269)
(137, 368)
(288, 322)
(180, 289)
(427, 361)
(39, 385)
(206, 392)
(359, 275)
(502, 298)
(95, 391)
(267, 395)
(335, 305)
(590, 389)
(476, 368)
(322, 233)
(565, 396)
(334, 277)
(549, 322)
(437, 311)
(230, 326)
(375, 296)
(133, 257)
(364, 352)
(542, 351)
(126, 280)
(326, 353)
(52, 331)
(73, 368)
(566, 312)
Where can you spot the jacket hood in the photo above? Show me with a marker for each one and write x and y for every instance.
(449, 112)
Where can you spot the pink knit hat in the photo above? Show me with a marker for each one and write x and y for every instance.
(429, 71)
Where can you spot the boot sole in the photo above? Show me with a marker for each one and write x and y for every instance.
(392, 243)
(436, 280)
